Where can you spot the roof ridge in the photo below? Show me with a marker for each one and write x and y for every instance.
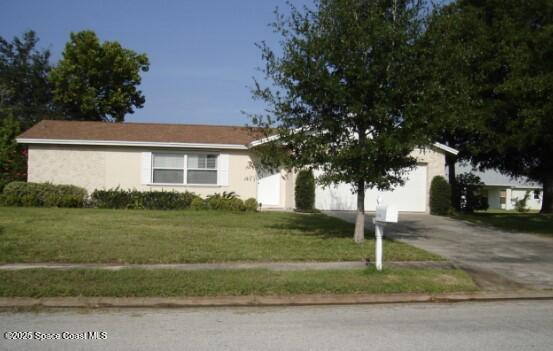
(148, 123)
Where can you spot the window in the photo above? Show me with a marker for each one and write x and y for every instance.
(536, 194)
(202, 169)
(168, 168)
(502, 197)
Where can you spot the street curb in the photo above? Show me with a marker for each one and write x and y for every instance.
(253, 300)
(273, 266)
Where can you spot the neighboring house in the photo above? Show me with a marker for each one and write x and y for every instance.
(203, 159)
(504, 191)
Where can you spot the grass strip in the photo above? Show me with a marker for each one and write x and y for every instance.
(163, 283)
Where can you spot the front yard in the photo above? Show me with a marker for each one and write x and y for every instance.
(132, 236)
(530, 222)
(135, 236)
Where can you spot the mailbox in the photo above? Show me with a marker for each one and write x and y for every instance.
(387, 214)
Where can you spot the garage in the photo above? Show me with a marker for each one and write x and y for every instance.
(411, 197)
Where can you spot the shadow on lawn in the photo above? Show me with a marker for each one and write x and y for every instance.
(516, 222)
(319, 225)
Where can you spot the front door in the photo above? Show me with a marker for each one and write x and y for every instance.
(268, 188)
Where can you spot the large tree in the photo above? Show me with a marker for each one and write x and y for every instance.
(513, 81)
(98, 81)
(25, 92)
(453, 47)
(344, 95)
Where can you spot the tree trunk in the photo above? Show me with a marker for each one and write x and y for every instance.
(450, 161)
(547, 202)
(359, 235)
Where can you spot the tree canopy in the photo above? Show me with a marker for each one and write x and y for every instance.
(98, 81)
(24, 88)
(494, 63)
(346, 92)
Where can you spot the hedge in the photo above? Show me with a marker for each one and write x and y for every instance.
(43, 195)
(440, 196)
(229, 201)
(134, 199)
(50, 195)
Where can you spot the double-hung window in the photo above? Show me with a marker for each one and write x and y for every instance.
(202, 169)
(170, 168)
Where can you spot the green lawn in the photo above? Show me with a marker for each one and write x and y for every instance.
(136, 282)
(530, 222)
(135, 236)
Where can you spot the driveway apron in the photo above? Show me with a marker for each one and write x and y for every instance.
(496, 259)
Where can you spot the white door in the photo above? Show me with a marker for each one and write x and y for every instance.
(411, 197)
(268, 188)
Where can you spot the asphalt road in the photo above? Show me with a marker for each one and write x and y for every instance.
(522, 325)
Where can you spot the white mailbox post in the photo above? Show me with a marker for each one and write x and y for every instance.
(384, 214)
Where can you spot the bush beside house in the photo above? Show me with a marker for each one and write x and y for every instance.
(521, 205)
(440, 196)
(305, 191)
(230, 202)
(470, 193)
(50, 195)
(43, 195)
(133, 199)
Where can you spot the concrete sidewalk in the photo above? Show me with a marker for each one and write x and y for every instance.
(274, 266)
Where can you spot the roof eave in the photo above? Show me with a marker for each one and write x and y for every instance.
(130, 143)
(446, 148)
(276, 137)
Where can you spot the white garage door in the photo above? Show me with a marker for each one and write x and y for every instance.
(411, 197)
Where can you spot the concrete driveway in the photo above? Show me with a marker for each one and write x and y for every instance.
(496, 259)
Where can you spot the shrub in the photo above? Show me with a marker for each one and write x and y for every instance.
(470, 193)
(305, 191)
(235, 205)
(13, 156)
(223, 195)
(112, 198)
(251, 204)
(440, 196)
(198, 204)
(133, 199)
(43, 195)
(165, 200)
(214, 203)
(225, 203)
(521, 205)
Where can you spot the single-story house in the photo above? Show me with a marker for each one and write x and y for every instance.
(504, 191)
(203, 159)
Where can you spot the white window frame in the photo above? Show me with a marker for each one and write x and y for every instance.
(185, 168)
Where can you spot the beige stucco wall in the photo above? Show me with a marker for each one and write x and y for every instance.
(94, 167)
(434, 159)
(108, 167)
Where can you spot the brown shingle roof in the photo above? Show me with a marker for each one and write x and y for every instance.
(141, 132)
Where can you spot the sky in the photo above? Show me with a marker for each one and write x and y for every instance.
(202, 52)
